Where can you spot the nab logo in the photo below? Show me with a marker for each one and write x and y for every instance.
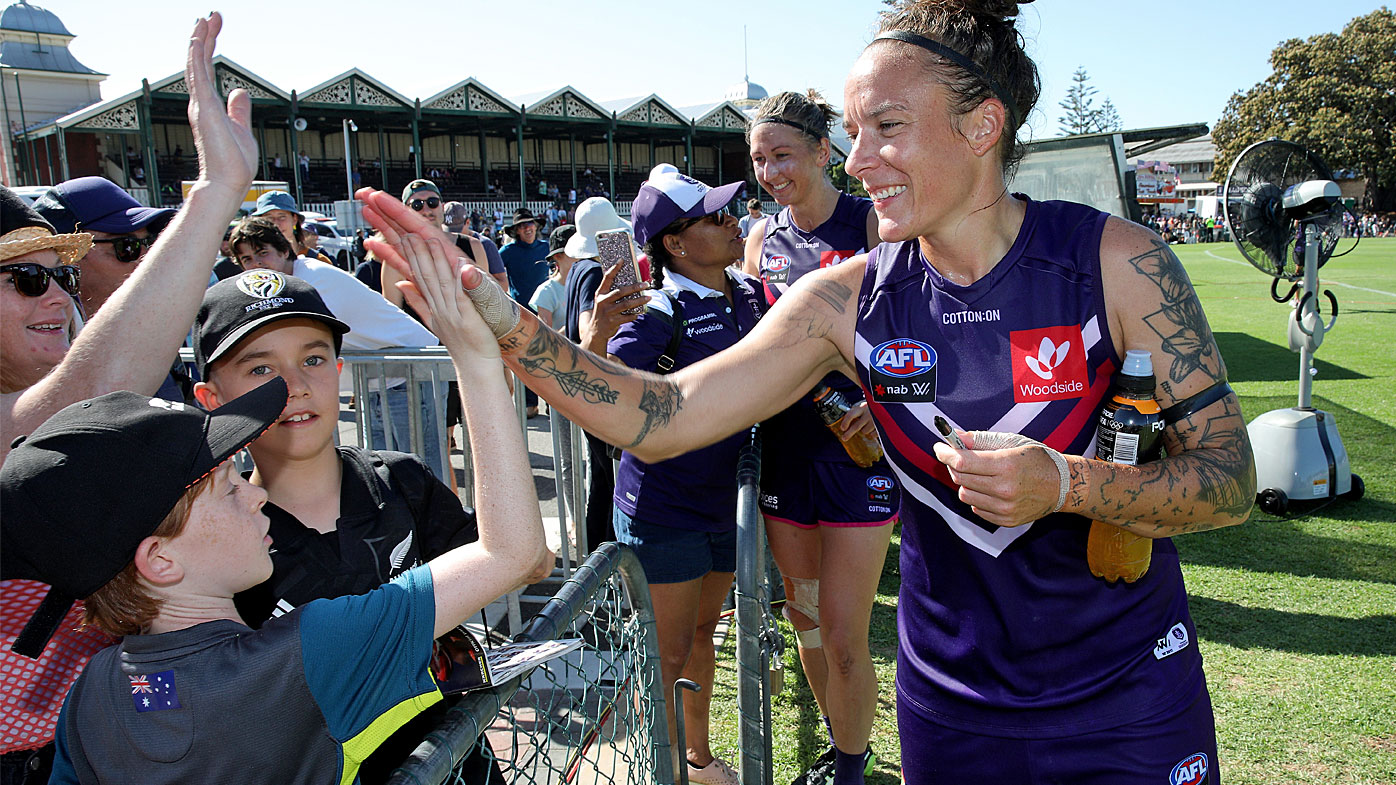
(903, 358)
(1049, 364)
(1191, 770)
(778, 262)
(880, 483)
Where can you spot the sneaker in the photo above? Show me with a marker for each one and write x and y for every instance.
(821, 772)
(719, 772)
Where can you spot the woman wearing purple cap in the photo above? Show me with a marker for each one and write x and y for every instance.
(679, 515)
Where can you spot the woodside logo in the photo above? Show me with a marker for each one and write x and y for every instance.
(1049, 364)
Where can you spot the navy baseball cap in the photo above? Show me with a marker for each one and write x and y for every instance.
(95, 204)
(234, 307)
(275, 200)
(670, 195)
(70, 514)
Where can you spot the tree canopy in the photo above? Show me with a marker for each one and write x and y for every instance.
(1334, 94)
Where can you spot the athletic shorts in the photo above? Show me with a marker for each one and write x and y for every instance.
(829, 493)
(1175, 747)
(671, 555)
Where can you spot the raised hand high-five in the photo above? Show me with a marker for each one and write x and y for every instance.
(222, 135)
(131, 341)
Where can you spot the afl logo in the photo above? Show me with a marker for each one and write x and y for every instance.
(902, 358)
(778, 262)
(262, 284)
(880, 483)
(1191, 770)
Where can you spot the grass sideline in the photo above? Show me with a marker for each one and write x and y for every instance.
(1297, 617)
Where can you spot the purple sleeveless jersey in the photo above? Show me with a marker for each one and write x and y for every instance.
(1004, 631)
(787, 254)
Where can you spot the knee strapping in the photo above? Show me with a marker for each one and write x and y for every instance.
(805, 599)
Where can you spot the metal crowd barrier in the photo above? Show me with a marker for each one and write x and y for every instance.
(595, 715)
(760, 645)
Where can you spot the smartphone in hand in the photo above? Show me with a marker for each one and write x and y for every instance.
(614, 247)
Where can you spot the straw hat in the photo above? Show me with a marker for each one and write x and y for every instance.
(33, 233)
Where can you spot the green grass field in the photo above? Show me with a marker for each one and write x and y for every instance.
(1297, 616)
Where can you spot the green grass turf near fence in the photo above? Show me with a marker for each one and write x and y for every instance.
(1297, 616)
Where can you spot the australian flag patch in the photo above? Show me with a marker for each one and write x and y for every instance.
(154, 692)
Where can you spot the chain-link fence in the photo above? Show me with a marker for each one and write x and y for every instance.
(595, 715)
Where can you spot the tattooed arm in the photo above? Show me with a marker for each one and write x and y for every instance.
(658, 417)
(1207, 479)
(805, 336)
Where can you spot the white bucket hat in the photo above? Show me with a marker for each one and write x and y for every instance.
(596, 214)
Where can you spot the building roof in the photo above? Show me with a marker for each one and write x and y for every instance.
(28, 18)
(745, 90)
(33, 39)
(1193, 151)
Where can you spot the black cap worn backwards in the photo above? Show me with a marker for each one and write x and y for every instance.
(235, 307)
(557, 241)
(72, 511)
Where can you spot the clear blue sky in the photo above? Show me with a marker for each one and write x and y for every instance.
(1161, 63)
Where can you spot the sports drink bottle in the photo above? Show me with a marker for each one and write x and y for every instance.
(1130, 431)
(863, 448)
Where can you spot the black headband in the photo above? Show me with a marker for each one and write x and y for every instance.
(937, 47)
(790, 123)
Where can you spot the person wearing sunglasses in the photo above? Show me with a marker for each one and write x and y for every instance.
(122, 232)
(39, 281)
(679, 515)
(127, 345)
(424, 197)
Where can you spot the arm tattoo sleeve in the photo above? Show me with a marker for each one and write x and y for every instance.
(660, 401)
(1192, 485)
(1179, 322)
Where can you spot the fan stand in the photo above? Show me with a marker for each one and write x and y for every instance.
(1298, 453)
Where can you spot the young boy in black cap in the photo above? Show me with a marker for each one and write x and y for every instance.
(325, 682)
(345, 519)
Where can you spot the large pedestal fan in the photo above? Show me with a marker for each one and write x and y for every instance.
(1285, 215)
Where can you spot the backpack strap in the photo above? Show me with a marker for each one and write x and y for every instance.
(665, 363)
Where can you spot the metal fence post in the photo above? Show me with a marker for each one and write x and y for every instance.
(753, 644)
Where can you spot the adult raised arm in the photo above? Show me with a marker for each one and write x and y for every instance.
(805, 336)
(130, 343)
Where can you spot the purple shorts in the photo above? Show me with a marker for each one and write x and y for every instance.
(829, 493)
(1175, 747)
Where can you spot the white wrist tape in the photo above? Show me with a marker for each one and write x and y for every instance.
(498, 310)
(997, 440)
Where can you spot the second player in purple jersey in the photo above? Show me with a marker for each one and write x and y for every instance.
(816, 500)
